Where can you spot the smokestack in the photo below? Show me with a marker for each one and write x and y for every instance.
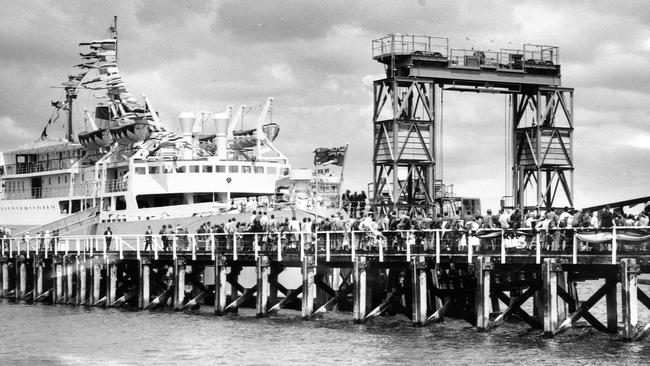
(186, 122)
(221, 121)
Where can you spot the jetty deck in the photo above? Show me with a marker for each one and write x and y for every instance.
(426, 275)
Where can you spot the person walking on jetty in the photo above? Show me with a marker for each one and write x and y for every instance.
(148, 238)
(108, 237)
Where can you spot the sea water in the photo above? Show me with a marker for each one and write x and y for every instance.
(67, 335)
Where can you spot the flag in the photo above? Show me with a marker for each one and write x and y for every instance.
(44, 133)
(326, 156)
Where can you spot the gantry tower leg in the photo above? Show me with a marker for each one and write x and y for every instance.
(543, 144)
(403, 150)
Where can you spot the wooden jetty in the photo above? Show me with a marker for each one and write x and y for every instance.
(426, 279)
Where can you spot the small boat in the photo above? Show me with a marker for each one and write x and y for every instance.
(247, 139)
(131, 133)
(97, 139)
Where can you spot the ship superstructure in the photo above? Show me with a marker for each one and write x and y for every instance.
(128, 166)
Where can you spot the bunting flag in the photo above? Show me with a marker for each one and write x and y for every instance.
(44, 133)
(326, 156)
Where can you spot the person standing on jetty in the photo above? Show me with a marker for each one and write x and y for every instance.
(108, 237)
(345, 200)
(148, 239)
(362, 202)
(354, 203)
(163, 237)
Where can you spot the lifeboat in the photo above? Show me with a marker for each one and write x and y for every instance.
(94, 140)
(247, 139)
(131, 133)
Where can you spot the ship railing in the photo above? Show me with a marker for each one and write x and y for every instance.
(36, 193)
(528, 244)
(407, 44)
(116, 185)
(40, 166)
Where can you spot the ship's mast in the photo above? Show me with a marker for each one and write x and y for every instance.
(113, 30)
(70, 95)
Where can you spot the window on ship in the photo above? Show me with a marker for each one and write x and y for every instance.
(120, 203)
(64, 207)
(160, 200)
(76, 206)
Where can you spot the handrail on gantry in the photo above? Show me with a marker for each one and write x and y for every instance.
(396, 245)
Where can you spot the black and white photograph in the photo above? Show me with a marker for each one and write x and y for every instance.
(285, 182)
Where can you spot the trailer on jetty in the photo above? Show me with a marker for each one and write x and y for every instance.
(425, 275)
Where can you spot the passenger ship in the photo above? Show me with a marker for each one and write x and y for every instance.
(128, 167)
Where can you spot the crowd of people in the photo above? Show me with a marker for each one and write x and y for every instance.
(356, 225)
(41, 241)
(394, 232)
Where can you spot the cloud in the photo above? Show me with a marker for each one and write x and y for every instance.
(12, 133)
(315, 59)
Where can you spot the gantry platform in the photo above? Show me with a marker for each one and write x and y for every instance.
(432, 57)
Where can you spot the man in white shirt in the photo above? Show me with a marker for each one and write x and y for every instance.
(566, 218)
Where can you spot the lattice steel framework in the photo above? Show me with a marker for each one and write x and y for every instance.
(404, 156)
(405, 122)
(543, 159)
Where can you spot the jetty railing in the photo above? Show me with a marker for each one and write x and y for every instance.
(396, 245)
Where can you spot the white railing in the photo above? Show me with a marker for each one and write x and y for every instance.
(346, 245)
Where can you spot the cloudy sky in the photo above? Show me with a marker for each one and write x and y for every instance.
(314, 57)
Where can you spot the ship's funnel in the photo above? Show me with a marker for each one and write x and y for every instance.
(221, 121)
(186, 122)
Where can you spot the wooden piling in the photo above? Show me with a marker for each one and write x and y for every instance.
(612, 308)
(550, 271)
(57, 281)
(418, 290)
(21, 277)
(82, 281)
(4, 277)
(37, 268)
(144, 291)
(262, 270)
(111, 281)
(233, 278)
(219, 284)
(482, 301)
(629, 271)
(179, 282)
(274, 287)
(437, 301)
(359, 272)
(308, 286)
(70, 267)
(95, 278)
